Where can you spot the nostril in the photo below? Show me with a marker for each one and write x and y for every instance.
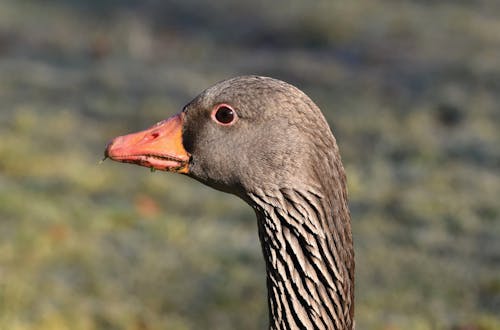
(152, 136)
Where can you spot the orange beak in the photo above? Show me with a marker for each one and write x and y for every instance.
(159, 147)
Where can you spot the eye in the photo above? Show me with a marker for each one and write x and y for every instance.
(223, 114)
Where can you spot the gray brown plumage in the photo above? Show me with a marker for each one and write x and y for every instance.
(274, 149)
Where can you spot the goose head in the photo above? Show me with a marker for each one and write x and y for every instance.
(238, 136)
(267, 142)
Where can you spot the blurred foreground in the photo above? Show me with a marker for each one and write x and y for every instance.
(411, 90)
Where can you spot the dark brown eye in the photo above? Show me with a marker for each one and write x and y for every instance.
(224, 114)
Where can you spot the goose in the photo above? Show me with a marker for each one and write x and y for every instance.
(268, 143)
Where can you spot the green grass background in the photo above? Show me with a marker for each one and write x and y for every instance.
(410, 88)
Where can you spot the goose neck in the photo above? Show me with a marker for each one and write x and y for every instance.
(309, 260)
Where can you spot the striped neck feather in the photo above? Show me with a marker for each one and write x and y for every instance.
(307, 245)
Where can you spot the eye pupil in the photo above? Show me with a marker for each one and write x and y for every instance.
(224, 115)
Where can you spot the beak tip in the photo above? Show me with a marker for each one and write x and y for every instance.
(106, 151)
(109, 148)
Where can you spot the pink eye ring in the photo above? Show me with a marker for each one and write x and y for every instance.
(224, 114)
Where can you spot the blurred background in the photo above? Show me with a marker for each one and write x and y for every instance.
(411, 90)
